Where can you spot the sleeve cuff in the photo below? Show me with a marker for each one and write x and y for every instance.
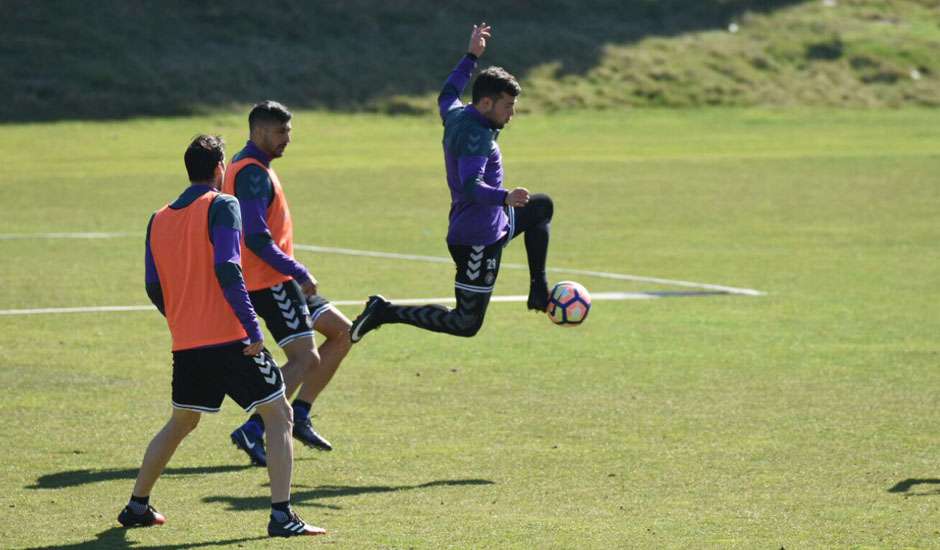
(254, 333)
(303, 277)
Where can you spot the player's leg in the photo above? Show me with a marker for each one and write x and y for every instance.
(535, 221)
(162, 447)
(139, 512)
(331, 323)
(256, 382)
(278, 419)
(477, 268)
(193, 391)
(285, 313)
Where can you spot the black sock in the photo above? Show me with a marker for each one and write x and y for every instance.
(139, 505)
(301, 409)
(536, 218)
(536, 247)
(280, 511)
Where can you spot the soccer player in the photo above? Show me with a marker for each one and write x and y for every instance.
(282, 290)
(193, 276)
(484, 216)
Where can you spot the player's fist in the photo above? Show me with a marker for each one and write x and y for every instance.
(254, 348)
(518, 197)
(309, 287)
(478, 39)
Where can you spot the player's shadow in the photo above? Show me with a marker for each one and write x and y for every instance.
(311, 496)
(906, 485)
(73, 478)
(116, 537)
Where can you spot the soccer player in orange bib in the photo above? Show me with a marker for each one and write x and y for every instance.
(282, 290)
(194, 277)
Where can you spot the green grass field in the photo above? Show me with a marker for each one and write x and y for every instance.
(803, 418)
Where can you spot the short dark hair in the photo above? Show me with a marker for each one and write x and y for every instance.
(268, 112)
(202, 156)
(492, 82)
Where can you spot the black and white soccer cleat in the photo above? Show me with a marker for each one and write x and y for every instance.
(293, 527)
(368, 319)
(304, 432)
(252, 444)
(128, 518)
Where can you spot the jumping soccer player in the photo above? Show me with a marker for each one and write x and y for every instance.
(484, 216)
(193, 276)
(282, 291)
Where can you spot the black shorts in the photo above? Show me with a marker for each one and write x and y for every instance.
(477, 266)
(287, 313)
(202, 378)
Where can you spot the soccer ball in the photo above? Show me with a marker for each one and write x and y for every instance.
(569, 304)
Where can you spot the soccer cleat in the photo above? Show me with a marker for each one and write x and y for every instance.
(368, 319)
(538, 296)
(253, 446)
(128, 518)
(293, 527)
(304, 432)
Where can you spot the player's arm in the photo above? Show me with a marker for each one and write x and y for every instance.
(473, 146)
(449, 97)
(254, 191)
(224, 225)
(151, 279)
(471, 166)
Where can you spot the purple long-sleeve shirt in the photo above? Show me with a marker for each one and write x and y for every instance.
(223, 227)
(255, 192)
(474, 166)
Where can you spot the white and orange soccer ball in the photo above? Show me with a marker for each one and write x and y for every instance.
(569, 304)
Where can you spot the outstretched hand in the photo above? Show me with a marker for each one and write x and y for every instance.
(478, 39)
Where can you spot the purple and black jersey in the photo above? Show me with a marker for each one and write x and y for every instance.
(224, 228)
(474, 166)
(255, 192)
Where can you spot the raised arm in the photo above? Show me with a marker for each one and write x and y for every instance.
(449, 98)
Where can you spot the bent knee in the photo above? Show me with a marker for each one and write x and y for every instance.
(185, 423)
(276, 414)
(543, 205)
(469, 326)
(309, 358)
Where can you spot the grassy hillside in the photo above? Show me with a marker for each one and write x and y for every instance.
(68, 60)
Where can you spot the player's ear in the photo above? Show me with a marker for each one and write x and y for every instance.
(484, 105)
(219, 173)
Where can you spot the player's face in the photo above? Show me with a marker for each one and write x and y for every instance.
(502, 110)
(274, 139)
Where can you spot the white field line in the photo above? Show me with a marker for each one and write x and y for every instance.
(597, 296)
(386, 255)
(601, 274)
(19, 236)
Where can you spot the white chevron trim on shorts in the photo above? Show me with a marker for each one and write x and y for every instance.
(472, 288)
(292, 337)
(267, 369)
(284, 303)
(195, 408)
(511, 212)
(267, 399)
